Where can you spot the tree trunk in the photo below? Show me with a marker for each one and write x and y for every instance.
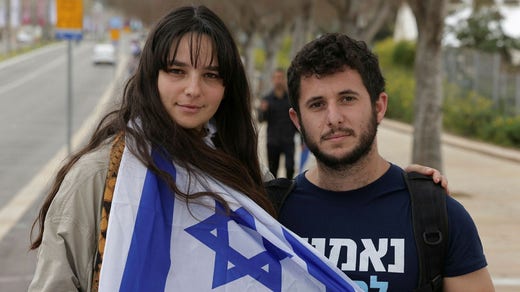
(302, 28)
(249, 60)
(427, 122)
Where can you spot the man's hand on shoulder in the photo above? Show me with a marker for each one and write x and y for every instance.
(436, 175)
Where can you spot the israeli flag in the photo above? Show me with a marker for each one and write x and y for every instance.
(157, 242)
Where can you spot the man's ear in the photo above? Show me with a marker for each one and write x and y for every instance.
(294, 118)
(381, 106)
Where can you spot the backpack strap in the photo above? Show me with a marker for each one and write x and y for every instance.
(278, 190)
(430, 225)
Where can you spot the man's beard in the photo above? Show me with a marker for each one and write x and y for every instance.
(366, 140)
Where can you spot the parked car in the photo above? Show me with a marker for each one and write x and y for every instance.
(28, 34)
(104, 53)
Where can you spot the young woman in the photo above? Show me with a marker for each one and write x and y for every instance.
(189, 99)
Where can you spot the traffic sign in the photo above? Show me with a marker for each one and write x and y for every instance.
(69, 24)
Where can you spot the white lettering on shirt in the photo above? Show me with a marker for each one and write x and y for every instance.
(361, 257)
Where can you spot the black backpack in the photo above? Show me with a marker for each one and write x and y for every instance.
(430, 223)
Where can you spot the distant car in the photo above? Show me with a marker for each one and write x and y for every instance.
(104, 54)
(28, 34)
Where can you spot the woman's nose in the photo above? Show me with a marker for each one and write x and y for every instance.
(193, 86)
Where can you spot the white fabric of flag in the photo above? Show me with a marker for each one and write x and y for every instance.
(157, 242)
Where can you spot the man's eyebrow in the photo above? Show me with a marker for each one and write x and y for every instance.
(314, 99)
(348, 91)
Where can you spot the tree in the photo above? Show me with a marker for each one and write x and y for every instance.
(302, 28)
(483, 31)
(429, 16)
(363, 19)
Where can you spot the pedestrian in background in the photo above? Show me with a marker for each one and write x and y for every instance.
(274, 110)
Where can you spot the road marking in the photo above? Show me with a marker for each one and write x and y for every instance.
(27, 77)
(25, 198)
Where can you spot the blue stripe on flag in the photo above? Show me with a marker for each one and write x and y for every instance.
(317, 268)
(148, 261)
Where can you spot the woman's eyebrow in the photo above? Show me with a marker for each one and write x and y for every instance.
(183, 64)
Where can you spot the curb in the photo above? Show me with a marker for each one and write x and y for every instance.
(464, 143)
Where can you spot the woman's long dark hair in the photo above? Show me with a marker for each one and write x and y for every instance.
(143, 118)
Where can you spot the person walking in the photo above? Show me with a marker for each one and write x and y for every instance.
(354, 205)
(274, 110)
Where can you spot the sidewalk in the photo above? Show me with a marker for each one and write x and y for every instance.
(484, 178)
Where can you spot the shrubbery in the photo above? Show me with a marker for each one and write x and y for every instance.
(465, 112)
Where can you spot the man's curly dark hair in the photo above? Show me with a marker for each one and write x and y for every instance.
(331, 53)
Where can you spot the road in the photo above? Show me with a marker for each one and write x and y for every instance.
(33, 131)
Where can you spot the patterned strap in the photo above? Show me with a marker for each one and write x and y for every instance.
(115, 159)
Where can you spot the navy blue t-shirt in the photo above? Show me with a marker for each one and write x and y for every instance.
(368, 232)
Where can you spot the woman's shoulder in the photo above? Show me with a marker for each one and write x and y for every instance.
(83, 185)
(94, 163)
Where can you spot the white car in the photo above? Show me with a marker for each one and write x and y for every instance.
(104, 54)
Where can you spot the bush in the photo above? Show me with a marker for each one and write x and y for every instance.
(400, 90)
(504, 131)
(384, 51)
(404, 54)
(466, 113)
(400, 84)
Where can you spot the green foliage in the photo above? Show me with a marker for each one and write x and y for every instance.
(483, 31)
(400, 89)
(384, 51)
(404, 54)
(464, 111)
(283, 57)
(259, 56)
(504, 131)
(400, 84)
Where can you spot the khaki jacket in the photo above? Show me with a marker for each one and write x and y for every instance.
(67, 253)
(69, 247)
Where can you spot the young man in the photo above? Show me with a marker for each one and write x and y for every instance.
(280, 130)
(354, 205)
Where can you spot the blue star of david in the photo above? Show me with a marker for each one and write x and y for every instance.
(225, 254)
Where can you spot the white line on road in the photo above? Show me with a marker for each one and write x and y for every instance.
(27, 77)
